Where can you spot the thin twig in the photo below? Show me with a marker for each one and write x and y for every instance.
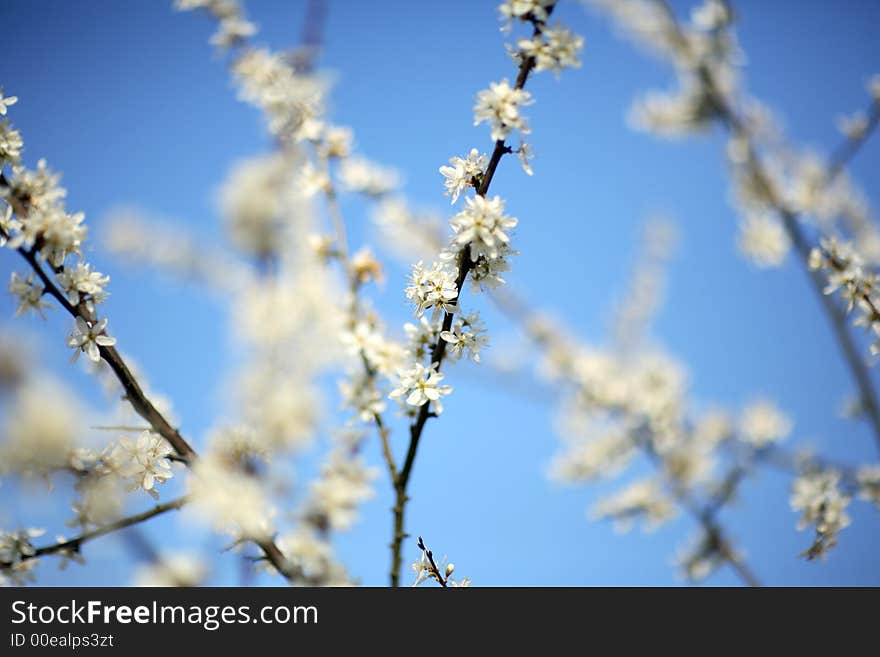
(74, 545)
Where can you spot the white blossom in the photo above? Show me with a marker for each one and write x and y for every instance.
(762, 424)
(462, 172)
(6, 101)
(483, 226)
(526, 155)
(79, 280)
(433, 288)
(359, 175)
(818, 498)
(554, 49)
(29, 294)
(144, 461)
(178, 569)
(421, 385)
(500, 105)
(10, 143)
(763, 240)
(15, 546)
(868, 479)
(525, 9)
(466, 337)
(88, 337)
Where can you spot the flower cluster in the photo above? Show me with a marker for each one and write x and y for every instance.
(552, 49)
(857, 285)
(464, 172)
(818, 498)
(41, 224)
(499, 105)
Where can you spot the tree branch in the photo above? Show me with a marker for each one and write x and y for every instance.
(74, 545)
(439, 350)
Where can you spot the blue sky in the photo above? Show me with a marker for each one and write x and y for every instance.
(128, 100)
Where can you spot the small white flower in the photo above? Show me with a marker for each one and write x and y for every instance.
(29, 294)
(462, 172)
(526, 155)
(500, 105)
(853, 126)
(763, 240)
(16, 546)
(554, 49)
(312, 180)
(89, 338)
(6, 102)
(359, 175)
(466, 337)
(433, 288)
(11, 143)
(525, 9)
(762, 424)
(818, 498)
(337, 142)
(144, 461)
(874, 87)
(421, 385)
(483, 225)
(81, 280)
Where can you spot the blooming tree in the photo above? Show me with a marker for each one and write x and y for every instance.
(299, 293)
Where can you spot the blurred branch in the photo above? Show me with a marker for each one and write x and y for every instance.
(134, 393)
(730, 119)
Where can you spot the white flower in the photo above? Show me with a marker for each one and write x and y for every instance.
(422, 569)
(359, 393)
(463, 171)
(421, 385)
(874, 87)
(526, 155)
(868, 478)
(29, 294)
(14, 546)
(231, 31)
(41, 429)
(711, 15)
(641, 499)
(554, 49)
(499, 105)
(763, 240)
(817, 496)
(337, 142)
(482, 224)
(6, 102)
(8, 224)
(229, 499)
(312, 180)
(173, 570)
(89, 338)
(145, 461)
(487, 272)
(359, 175)
(81, 280)
(762, 424)
(525, 9)
(854, 126)
(433, 288)
(344, 483)
(10, 143)
(466, 337)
